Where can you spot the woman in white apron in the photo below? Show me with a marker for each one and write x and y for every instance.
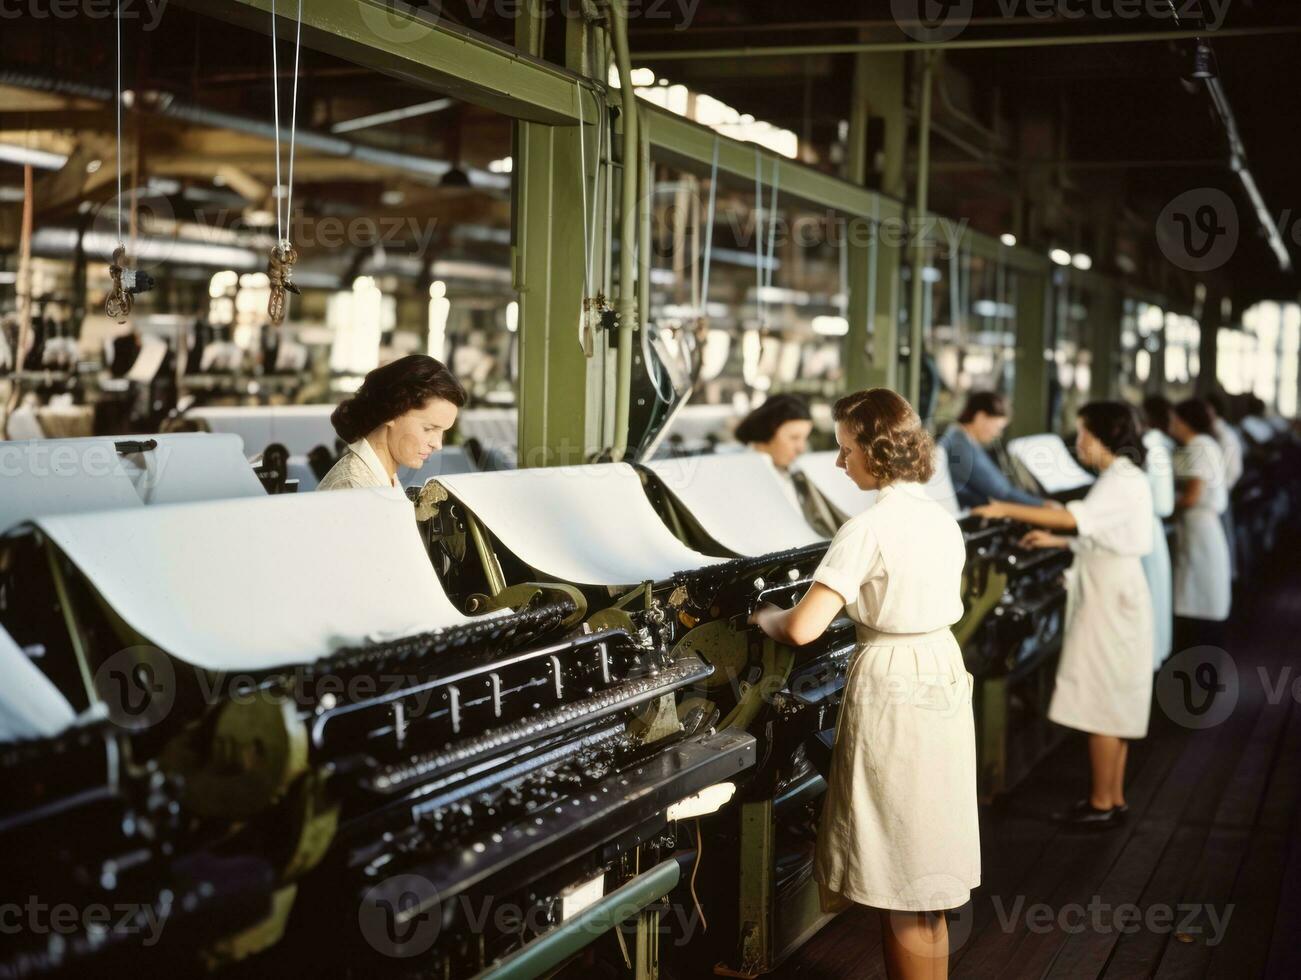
(1104, 680)
(1156, 564)
(899, 829)
(1203, 592)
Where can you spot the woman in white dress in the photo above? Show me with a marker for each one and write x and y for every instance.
(1156, 564)
(397, 418)
(1104, 680)
(780, 429)
(899, 828)
(1203, 592)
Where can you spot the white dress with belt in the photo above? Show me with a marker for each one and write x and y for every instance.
(1203, 582)
(899, 826)
(1156, 564)
(1104, 680)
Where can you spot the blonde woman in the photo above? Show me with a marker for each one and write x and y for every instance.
(899, 829)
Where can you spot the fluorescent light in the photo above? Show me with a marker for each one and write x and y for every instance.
(1081, 262)
(830, 326)
(24, 156)
(1008, 239)
(1060, 256)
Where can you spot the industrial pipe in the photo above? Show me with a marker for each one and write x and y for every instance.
(627, 304)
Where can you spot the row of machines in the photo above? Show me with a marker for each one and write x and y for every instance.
(265, 732)
(298, 732)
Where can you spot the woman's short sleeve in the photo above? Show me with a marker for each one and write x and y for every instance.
(850, 560)
(1108, 505)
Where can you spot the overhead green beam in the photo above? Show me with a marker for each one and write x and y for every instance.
(680, 141)
(980, 44)
(420, 48)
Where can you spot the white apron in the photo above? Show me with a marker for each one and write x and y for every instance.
(1202, 562)
(1156, 568)
(900, 823)
(1203, 581)
(900, 826)
(1104, 680)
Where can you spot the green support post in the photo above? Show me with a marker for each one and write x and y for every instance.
(1105, 314)
(560, 388)
(1030, 401)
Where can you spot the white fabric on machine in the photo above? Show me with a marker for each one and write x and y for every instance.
(42, 477)
(30, 705)
(848, 501)
(1048, 461)
(834, 484)
(237, 585)
(739, 500)
(590, 525)
(190, 466)
(299, 428)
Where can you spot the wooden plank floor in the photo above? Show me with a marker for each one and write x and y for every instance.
(1203, 881)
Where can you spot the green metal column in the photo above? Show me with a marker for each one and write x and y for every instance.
(916, 338)
(1030, 391)
(1105, 315)
(873, 264)
(560, 388)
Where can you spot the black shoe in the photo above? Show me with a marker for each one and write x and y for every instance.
(1084, 815)
(1122, 810)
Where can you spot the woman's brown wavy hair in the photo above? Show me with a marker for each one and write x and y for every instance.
(894, 442)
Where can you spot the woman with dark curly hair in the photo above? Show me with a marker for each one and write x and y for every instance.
(1104, 680)
(780, 429)
(899, 829)
(397, 418)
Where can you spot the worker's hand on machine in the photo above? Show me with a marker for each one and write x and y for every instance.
(993, 510)
(762, 609)
(1044, 539)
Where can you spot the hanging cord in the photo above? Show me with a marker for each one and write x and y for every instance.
(119, 123)
(709, 234)
(280, 267)
(126, 283)
(758, 235)
(700, 850)
(590, 303)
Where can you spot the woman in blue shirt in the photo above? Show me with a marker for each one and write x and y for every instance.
(976, 477)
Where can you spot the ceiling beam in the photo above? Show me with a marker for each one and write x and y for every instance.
(418, 48)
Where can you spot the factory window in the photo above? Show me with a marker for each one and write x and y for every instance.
(1261, 358)
(1183, 338)
(1141, 332)
(708, 111)
(970, 310)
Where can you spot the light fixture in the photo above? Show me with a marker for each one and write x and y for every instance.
(455, 177)
(830, 326)
(1008, 239)
(1060, 256)
(391, 199)
(93, 166)
(1081, 262)
(25, 156)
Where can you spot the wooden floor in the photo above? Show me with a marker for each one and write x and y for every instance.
(1214, 837)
